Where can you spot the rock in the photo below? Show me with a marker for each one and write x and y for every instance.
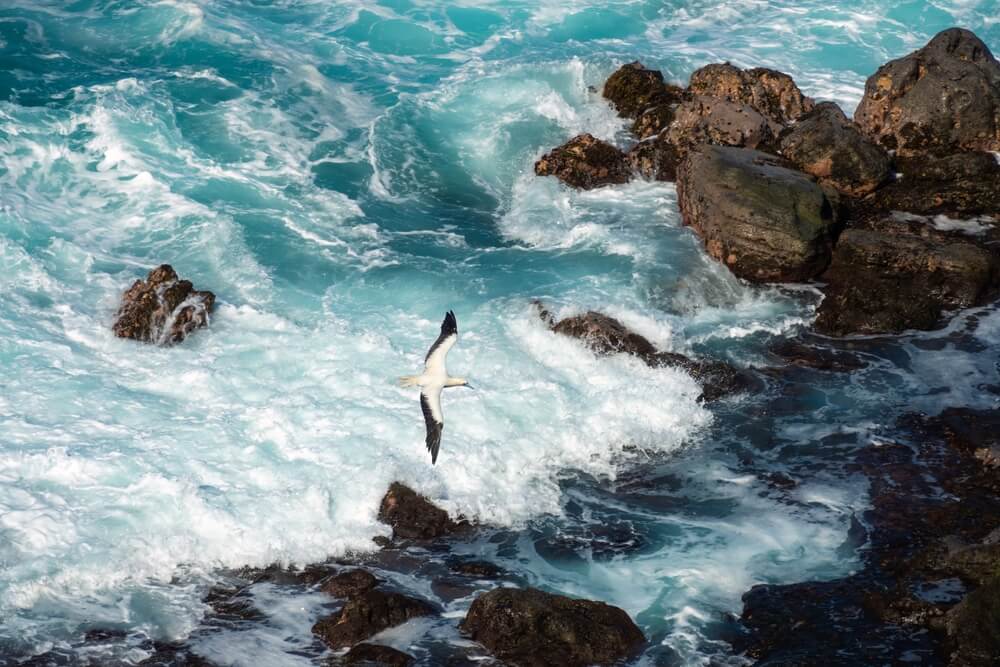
(606, 335)
(817, 357)
(943, 97)
(162, 309)
(479, 569)
(710, 120)
(772, 93)
(974, 625)
(366, 615)
(632, 89)
(350, 583)
(655, 159)
(585, 162)
(377, 655)
(653, 121)
(765, 221)
(825, 144)
(891, 278)
(532, 628)
(413, 517)
(963, 185)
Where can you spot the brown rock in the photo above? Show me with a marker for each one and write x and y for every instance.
(719, 121)
(655, 159)
(825, 144)
(350, 583)
(530, 628)
(772, 93)
(653, 121)
(765, 221)
(894, 277)
(632, 89)
(162, 309)
(974, 625)
(367, 614)
(412, 516)
(585, 162)
(943, 97)
(377, 655)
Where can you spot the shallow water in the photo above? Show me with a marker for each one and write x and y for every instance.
(341, 174)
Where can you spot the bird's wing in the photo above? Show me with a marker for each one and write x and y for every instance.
(434, 361)
(430, 403)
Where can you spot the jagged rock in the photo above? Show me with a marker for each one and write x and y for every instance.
(893, 276)
(765, 221)
(815, 356)
(632, 89)
(350, 583)
(825, 144)
(414, 517)
(585, 162)
(653, 121)
(606, 335)
(959, 186)
(162, 309)
(719, 121)
(943, 97)
(377, 655)
(655, 159)
(974, 625)
(367, 614)
(530, 628)
(772, 93)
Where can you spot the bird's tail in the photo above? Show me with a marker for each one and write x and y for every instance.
(409, 381)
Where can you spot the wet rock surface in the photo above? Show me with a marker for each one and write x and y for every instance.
(943, 97)
(606, 335)
(532, 628)
(350, 583)
(367, 614)
(825, 144)
(376, 655)
(413, 517)
(770, 92)
(633, 89)
(722, 122)
(162, 308)
(762, 219)
(655, 159)
(895, 276)
(585, 162)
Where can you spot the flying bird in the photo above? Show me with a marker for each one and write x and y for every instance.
(435, 378)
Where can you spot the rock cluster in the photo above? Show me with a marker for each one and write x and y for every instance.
(162, 308)
(896, 213)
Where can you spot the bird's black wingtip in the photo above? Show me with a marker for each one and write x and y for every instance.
(450, 324)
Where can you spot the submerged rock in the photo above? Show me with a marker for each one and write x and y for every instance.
(350, 583)
(655, 159)
(943, 97)
(367, 614)
(633, 89)
(377, 655)
(762, 219)
(892, 277)
(585, 162)
(772, 93)
(606, 335)
(825, 144)
(413, 517)
(719, 121)
(162, 309)
(531, 628)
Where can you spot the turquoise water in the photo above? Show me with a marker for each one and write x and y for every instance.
(340, 175)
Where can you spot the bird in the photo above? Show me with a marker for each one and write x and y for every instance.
(434, 379)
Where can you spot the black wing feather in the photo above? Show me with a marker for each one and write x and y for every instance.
(448, 328)
(434, 428)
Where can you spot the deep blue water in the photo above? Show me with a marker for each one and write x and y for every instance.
(341, 174)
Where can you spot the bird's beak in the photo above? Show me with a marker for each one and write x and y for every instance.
(468, 386)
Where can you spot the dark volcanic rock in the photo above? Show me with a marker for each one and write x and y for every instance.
(963, 185)
(532, 628)
(377, 655)
(655, 159)
(891, 278)
(350, 583)
(632, 89)
(770, 92)
(412, 516)
(943, 97)
(368, 614)
(723, 122)
(162, 309)
(765, 221)
(585, 162)
(606, 335)
(974, 624)
(825, 144)
(816, 356)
